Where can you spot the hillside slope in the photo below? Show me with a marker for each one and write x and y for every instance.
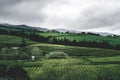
(81, 37)
(27, 30)
(46, 48)
(13, 40)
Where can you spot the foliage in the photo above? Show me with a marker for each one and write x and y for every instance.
(84, 64)
(12, 53)
(76, 51)
(72, 39)
(56, 55)
(72, 69)
(10, 41)
(13, 73)
(35, 51)
(75, 72)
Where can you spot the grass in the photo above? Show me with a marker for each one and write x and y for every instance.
(105, 60)
(74, 72)
(69, 69)
(111, 40)
(87, 37)
(83, 64)
(13, 40)
(46, 34)
(76, 51)
(22, 63)
(72, 69)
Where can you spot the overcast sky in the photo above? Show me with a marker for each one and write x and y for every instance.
(85, 15)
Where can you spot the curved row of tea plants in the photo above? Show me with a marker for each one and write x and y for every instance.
(75, 72)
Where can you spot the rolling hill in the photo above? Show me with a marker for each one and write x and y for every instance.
(13, 40)
(70, 38)
(84, 63)
(46, 48)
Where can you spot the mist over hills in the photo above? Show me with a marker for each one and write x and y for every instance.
(23, 26)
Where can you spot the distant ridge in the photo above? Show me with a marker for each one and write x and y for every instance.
(23, 26)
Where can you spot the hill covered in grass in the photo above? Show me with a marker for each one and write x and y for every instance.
(67, 38)
(13, 40)
(47, 48)
(83, 62)
(80, 37)
(76, 51)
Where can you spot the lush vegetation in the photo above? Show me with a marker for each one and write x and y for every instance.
(76, 72)
(71, 69)
(83, 63)
(71, 39)
(43, 61)
(12, 73)
(7, 40)
(40, 50)
(56, 55)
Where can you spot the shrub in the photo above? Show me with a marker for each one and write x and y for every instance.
(17, 73)
(35, 51)
(12, 73)
(56, 55)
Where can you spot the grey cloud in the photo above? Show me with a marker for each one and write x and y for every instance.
(69, 14)
(8, 2)
(92, 15)
(23, 10)
(101, 16)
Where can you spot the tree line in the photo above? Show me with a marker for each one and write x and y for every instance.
(24, 33)
(84, 43)
(35, 36)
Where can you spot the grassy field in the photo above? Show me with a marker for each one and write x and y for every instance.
(76, 51)
(75, 72)
(83, 63)
(71, 37)
(70, 50)
(13, 40)
(105, 60)
(46, 34)
(69, 69)
(111, 40)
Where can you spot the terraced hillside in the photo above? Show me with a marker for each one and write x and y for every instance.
(13, 40)
(81, 37)
(83, 63)
(75, 72)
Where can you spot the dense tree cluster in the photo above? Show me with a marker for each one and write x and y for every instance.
(12, 73)
(88, 33)
(85, 43)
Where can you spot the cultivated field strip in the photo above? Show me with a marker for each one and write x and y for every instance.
(78, 72)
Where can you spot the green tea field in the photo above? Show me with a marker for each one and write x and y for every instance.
(71, 63)
(80, 37)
